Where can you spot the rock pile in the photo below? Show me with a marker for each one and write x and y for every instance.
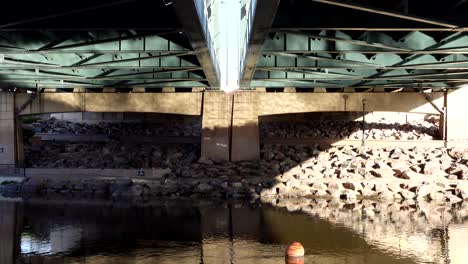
(343, 172)
(417, 130)
(384, 173)
(117, 130)
(109, 155)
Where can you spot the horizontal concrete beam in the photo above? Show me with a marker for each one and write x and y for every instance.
(168, 103)
(268, 103)
(285, 103)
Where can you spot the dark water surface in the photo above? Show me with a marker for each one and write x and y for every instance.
(52, 231)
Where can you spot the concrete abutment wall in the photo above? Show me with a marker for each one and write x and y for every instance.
(229, 121)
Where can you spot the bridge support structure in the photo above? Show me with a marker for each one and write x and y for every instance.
(11, 141)
(230, 122)
(230, 126)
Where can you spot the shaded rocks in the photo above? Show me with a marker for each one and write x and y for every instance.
(116, 130)
(110, 155)
(416, 130)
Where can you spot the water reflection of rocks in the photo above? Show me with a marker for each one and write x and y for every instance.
(182, 231)
(396, 227)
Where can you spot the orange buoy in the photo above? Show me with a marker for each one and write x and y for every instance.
(294, 260)
(295, 250)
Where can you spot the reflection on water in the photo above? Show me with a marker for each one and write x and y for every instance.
(39, 231)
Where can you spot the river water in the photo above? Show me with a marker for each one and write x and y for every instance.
(53, 231)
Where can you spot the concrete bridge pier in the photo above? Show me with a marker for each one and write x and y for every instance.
(230, 126)
(11, 143)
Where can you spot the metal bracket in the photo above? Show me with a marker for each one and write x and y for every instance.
(429, 99)
(28, 102)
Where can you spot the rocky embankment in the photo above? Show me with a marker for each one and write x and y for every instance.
(344, 172)
(113, 153)
(416, 130)
(117, 130)
(110, 155)
(383, 173)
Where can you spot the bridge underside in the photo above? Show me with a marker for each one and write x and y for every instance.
(373, 55)
(116, 44)
(364, 46)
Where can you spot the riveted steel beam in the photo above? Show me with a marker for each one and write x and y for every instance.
(322, 67)
(108, 40)
(455, 50)
(405, 62)
(198, 38)
(261, 25)
(18, 51)
(62, 14)
(351, 41)
(132, 59)
(386, 13)
(378, 29)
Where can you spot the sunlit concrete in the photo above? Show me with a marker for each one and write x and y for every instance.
(169, 103)
(284, 103)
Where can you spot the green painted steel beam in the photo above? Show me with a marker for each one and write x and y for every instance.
(345, 40)
(19, 51)
(445, 42)
(375, 58)
(386, 13)
(98, 59)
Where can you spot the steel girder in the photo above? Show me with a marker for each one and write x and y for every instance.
(89, 44)
(98, 59)
(334, 58)
(365, 44)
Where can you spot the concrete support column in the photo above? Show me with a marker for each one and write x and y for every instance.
(457, 112)
(7, 129)
(216, 125)
(245, 132)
